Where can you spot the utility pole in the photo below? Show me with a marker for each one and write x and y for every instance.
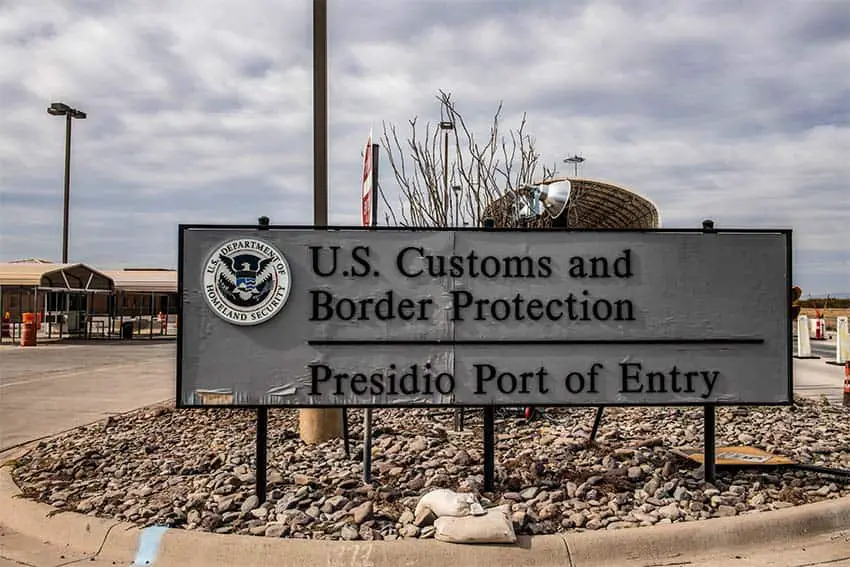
(319, 425)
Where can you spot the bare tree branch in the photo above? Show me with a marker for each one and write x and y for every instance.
(483, 171)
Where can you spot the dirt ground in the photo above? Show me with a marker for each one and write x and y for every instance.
(829, 314)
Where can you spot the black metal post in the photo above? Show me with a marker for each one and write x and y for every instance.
(262, 437)
(262, 451)
(367, 446)
(709, 415)
(597, 421)
(709, 447)
(346, 443)
(65, 213)
(489, 424)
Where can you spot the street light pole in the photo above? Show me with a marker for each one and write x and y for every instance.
(575, 160)
(62, 109)
(66, 204)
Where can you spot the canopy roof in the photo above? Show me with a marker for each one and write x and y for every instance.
(74, 277)
(144, 280)
(592, 204)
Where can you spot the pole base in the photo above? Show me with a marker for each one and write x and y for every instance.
(319, 425)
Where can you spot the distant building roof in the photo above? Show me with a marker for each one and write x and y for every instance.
(144, 280)
(40, 274)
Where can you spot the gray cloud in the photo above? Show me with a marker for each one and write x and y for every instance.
(199, 112)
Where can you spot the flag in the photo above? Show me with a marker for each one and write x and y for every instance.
(367, 196)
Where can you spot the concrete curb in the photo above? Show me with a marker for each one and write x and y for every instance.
(122, 542)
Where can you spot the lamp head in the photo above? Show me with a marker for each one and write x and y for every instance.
(554, 197)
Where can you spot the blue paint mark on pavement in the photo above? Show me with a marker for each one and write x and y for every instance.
(149, 545)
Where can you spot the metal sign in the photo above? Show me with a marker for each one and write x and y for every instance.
(297, 317)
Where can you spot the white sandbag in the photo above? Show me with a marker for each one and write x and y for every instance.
(445, 502)
(495, 526)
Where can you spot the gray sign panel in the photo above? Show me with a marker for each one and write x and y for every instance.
(392, 317)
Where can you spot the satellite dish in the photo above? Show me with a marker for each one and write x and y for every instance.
(554, 197)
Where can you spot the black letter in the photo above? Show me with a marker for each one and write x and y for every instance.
(627, 258)
(625, 377)
(479, 379)
(544, 266)
(400, 261)
(316, 250)
(363, 260)
(314, 377)
(456, 305)
(321, 300)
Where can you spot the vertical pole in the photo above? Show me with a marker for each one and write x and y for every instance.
(150, 332)
(367, 415)
(318, 425)
(597, 421)
(367, 446)
(262, 451)
(709, 421)
(67, 188)
(320, 113)
(489, 425)
(709, 448)
(446, 173)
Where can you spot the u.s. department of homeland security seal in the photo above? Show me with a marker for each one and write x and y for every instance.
(246, 281)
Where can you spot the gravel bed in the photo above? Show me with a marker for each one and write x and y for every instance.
(193, 469)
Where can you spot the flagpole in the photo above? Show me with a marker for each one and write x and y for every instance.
(373, 221)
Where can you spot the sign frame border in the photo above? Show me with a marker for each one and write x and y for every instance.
(787, 233)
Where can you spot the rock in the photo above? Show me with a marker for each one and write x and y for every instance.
(823, 491)
(276, 530)
(725, 511)
(651, 486)
(416, 483)
(593, 524)
(260, 513)
(418, 445)
(427, 532)
(515, 496)
(250, 503)
(406, 517)
(424, 518)
(193, 517)
(349, 533)
(336, 502)
(578, 519)
(302, 479)
(671, 512)
(362, 512)
(681, 493)
(529, 493)
(409, 530)
(745, 439)
(461, 458)
(635, 473)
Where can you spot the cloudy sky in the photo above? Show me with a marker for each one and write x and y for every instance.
(201, 110)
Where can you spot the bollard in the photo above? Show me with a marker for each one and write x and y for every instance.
(847, 384)
(804, 345)
(842, 341)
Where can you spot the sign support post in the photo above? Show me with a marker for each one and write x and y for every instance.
(489, 422)
(262, 433)
(709, 415)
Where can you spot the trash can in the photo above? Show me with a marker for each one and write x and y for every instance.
(127, 330)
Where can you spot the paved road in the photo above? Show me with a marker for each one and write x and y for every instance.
(54, 387)
(823, 349)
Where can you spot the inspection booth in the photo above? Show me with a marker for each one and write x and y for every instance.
(62, 297)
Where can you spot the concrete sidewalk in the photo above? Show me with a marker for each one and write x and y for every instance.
(31, 529)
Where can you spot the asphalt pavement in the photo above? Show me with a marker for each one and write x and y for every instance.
(53, 387)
